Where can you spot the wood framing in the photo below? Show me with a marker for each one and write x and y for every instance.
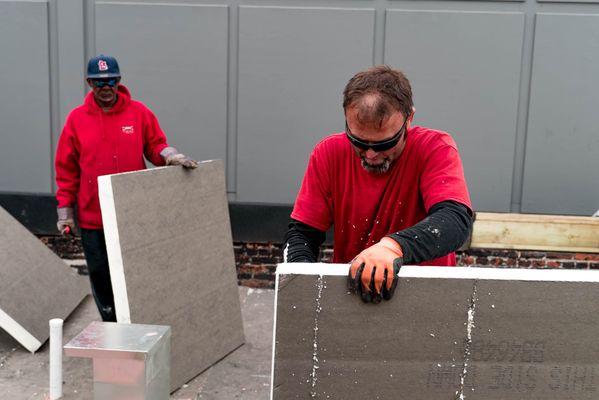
(536, 232)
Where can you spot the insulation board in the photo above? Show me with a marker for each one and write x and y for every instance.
(171, 259)
(35, 285)
(448, 333)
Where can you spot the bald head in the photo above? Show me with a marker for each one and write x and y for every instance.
(377, 93)
(372, 109)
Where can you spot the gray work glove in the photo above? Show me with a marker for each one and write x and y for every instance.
(66, 220)
(173, 157)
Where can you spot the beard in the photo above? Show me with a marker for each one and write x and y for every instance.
(376, 168)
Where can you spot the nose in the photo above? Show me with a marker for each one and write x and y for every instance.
(370, 154)
(106, 89)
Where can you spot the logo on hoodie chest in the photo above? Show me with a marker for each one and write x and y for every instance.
(127, 129)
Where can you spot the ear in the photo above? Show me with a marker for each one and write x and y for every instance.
(89, 83)
(411, 117)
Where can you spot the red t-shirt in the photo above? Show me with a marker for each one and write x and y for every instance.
(363, 206)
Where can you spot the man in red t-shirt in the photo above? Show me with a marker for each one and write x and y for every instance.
(108, 134)
(395, 193)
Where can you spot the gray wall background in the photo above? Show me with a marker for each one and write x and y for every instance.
(259, 82)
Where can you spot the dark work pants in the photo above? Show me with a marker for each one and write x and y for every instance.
(96, 257)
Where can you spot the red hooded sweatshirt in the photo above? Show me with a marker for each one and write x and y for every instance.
(95, 142)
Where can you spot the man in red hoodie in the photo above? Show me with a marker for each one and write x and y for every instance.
(108, 134)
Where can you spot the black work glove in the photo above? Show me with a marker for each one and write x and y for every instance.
(369, 293)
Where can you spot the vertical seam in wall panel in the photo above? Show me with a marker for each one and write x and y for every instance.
(53, 75)
(524, 91)
(378, 47)
(528, 100)
(89, 33)
(85, 31)
(384, 29)
(232, 98)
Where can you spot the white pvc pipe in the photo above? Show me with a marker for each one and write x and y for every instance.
(55, 358)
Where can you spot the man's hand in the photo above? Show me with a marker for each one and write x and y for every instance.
(66, 220)
(373, 273)
(173, 157)
(180, 159)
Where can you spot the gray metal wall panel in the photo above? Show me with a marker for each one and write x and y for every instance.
(260, 85)
(568, 1)
(561, 173)
(66, 59)
(293, 65)
(465, 82)
(71, 56)
(25, 98)
(478, 2)
(173, 58)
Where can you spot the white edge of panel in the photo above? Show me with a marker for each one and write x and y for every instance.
(113, 248)
(274, 342)
(17, 331)
(415, 271)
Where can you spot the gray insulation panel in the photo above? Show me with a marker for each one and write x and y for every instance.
(438, 338)
(35, 285)
(171, 260)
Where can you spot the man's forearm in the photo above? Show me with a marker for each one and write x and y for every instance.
(444, 230)
(302, 243)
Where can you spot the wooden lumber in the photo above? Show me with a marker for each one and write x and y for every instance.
(536, 232)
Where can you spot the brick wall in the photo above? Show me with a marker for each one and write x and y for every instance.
(256, 262)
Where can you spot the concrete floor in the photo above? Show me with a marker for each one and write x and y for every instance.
(243, 374)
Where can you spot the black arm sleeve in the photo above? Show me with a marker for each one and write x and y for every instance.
(447, 226)
(302, 243)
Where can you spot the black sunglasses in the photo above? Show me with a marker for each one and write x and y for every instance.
(99, 83)
(378, 147)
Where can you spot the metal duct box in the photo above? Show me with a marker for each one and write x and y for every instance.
(130, 361)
